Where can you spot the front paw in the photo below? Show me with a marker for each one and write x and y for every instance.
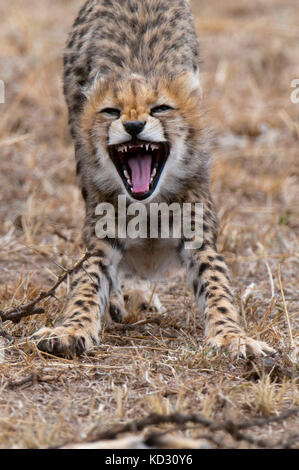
(64, 341)
(239, 345)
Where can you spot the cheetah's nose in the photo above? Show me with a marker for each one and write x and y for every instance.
(134, 127)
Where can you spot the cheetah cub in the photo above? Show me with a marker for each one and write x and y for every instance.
(131, 82)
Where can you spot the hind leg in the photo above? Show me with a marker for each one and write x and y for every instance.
(136, 298)
(140, 296)
(117, 311)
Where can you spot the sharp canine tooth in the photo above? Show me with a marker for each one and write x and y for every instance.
(147, 147)
(154, 172)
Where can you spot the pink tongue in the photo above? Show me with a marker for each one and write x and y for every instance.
(140, 172)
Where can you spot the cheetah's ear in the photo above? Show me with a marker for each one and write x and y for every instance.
(191, 81)
(97, 84)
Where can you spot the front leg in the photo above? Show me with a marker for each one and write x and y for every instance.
(209, 278)
(90, 291)
(212, 289)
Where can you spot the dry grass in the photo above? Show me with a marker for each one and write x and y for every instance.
(250, 56)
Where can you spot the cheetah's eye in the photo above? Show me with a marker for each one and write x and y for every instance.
(161, 109)
(112, 112)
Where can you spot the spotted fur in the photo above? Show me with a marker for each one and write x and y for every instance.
(134, 56)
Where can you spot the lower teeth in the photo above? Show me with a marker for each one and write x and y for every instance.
(127, 177)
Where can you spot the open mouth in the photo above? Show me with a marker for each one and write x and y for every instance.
(140, 165)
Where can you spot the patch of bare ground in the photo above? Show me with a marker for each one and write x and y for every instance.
(250, 57)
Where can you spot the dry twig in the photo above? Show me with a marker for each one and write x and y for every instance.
(31, 379)
(15, 314)
(232, 428)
